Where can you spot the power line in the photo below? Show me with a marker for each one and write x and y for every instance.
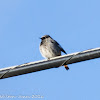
(52, 63)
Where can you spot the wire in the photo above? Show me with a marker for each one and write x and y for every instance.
(46, 64)
(66, 61)
(1, 77)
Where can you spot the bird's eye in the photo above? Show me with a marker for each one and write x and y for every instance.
(43, 38)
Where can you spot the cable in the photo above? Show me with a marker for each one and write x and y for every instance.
(47, 64)
(66, 61)
(1, 77)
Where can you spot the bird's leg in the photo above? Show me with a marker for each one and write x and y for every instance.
(48, 58)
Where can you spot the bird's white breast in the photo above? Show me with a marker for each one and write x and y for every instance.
(49, 50)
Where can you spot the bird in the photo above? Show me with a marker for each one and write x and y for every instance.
(50, 48)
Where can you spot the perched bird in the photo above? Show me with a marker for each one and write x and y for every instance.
(50, 48)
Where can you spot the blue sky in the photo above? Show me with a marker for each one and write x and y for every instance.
(75, 24)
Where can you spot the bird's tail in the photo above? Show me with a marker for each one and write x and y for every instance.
(67, 68)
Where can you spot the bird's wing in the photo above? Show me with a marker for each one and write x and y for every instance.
(60, 47)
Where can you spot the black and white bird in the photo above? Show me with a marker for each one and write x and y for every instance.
(50, 48)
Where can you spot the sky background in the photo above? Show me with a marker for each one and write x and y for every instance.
(75, 24)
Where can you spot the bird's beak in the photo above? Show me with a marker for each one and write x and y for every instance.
(40, 38)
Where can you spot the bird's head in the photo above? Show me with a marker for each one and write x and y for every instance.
(45, 37)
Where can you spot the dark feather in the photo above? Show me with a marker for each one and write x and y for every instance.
(59, 46)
